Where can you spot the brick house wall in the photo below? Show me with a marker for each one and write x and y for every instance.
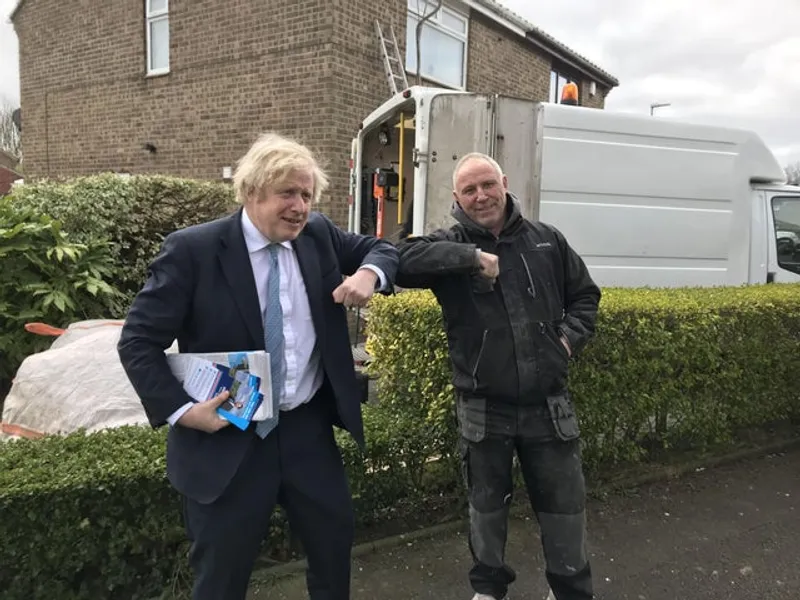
(309, 68)
(360, 85)
(501, 64)
(88, 106)
(598, 100)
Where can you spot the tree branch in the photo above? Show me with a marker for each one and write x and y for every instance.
(10, 139)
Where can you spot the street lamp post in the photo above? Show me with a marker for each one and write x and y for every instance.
(656, 105)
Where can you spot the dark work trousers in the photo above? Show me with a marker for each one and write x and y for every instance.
(552, 470)
(299, 466)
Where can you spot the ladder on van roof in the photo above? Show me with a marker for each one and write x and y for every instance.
(392, 61)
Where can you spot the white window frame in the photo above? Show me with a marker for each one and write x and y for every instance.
(417, 10)
(151, 17)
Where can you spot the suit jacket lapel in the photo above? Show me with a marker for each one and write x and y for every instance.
(308, 259)
(238, 273)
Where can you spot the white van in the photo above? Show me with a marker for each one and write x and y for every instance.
(645, 201)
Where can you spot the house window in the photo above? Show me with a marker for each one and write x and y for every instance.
(157, 17)
(557, 83)
(443, 44)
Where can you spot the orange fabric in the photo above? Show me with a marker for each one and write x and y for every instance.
(20, 431)
(45, 329)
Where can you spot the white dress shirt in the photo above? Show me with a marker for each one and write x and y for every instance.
(302, 362)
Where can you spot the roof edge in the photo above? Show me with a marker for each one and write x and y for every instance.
(10, 155)
(571, 58)
(516, 24)
(13, 171)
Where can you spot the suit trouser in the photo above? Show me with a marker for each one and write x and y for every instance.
(299, 466)
(553, 475)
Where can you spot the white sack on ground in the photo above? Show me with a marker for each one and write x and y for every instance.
(77, 383)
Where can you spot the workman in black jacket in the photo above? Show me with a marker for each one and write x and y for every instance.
(518, 303)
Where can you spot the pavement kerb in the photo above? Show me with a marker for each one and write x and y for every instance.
(664, 473)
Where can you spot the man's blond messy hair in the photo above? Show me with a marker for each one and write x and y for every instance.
(269, 161)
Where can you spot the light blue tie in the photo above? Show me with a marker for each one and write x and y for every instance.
(273, 339)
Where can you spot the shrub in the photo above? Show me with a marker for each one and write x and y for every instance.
(46, 277)
(93, 516)
(87, 516)
(395, 467)
(410, 363)
(687, 368)
(133, 214)
(666, 368)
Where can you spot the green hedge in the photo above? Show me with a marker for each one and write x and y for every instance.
(133, 214)
(86, 517)
(93, 516)
(46, 276)
(667, 368)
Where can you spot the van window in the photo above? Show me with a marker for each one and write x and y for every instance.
(786, 214)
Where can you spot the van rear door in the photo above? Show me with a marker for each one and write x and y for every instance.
(502, 127)
(457, 124)
(516, 150)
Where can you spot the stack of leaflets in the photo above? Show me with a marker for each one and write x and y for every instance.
(205, 376)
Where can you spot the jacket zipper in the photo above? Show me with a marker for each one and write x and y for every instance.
(478, 361)
(531, 287)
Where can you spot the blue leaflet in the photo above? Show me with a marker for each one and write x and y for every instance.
(243, 386)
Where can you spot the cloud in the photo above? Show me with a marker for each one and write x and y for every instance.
(9, 51)
(788, 155)
(722, 62)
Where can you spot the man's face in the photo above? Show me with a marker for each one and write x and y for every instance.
(281, 211)
(481, 192)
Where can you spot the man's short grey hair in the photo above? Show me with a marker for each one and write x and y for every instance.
(475, 156)
(269, 161)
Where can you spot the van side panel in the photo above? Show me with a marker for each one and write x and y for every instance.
(648, 202)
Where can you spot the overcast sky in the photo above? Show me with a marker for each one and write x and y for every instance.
(730, 62)
(9, 67)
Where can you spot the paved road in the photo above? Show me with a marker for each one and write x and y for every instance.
(727, 533)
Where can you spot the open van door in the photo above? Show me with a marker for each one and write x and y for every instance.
(351, 186)
(517, 151)
(458, 124)
(504, 128)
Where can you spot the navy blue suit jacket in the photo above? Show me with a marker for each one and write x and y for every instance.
(201, 291)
